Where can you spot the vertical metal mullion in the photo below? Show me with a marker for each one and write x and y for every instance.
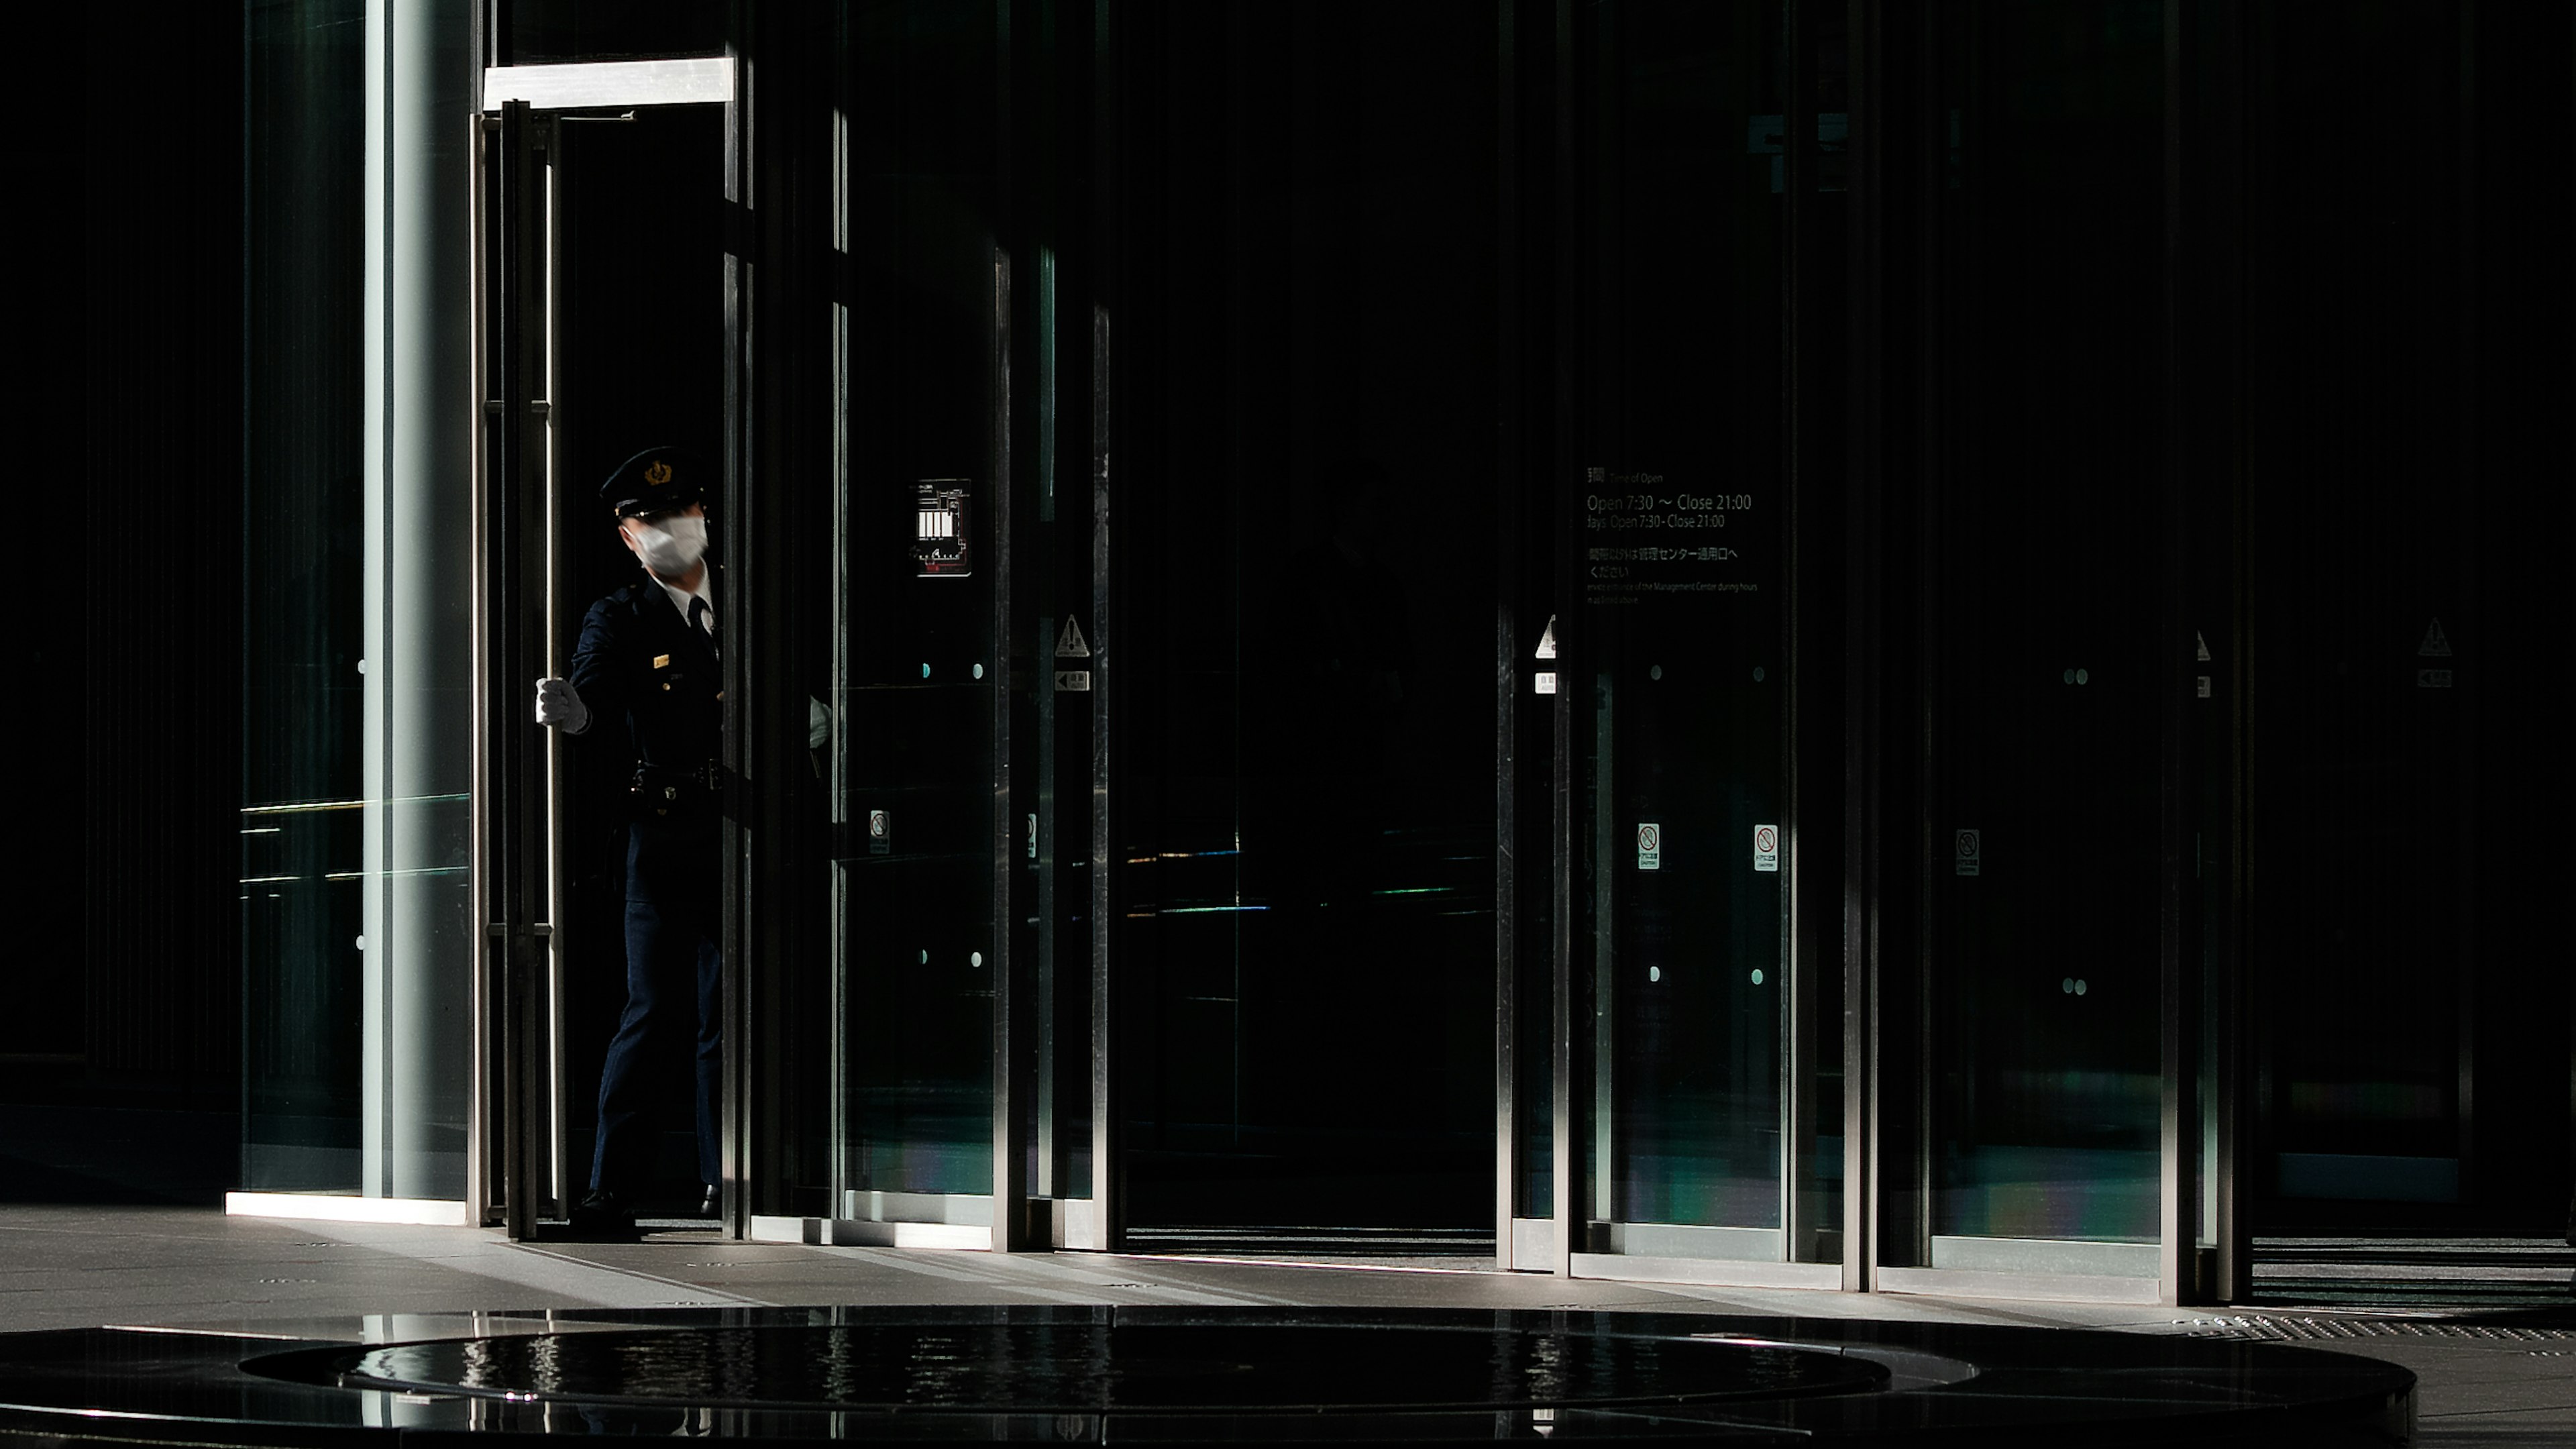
(1573, 672)
(486, 1143)
(1108, 1196)
(1506, 666)
(2473, 1186)
(510, 639)
(1795, 1111)
(2231, 1279)
(1603, 145)
(1010, 1137)
(2179, 1194)
(523, 801)
(552, 566)
(1865, 253)
(500, 920)
(739, 381)
(837, 1113)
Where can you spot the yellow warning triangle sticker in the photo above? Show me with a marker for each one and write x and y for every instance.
(2436, 644)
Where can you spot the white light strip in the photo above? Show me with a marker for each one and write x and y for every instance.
(611, 83)
(330, 1207)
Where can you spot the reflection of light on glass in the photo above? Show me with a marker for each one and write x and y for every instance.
(979, 671)
(1654, 671)
(1203, 910)
(925, 671)
(1417, 891)
(2082, 676)
(2070, 676)
(2067, 986)
(1757, 674)
(1757, 975)
(2079, 986)
(974, 958)
(1654, 973)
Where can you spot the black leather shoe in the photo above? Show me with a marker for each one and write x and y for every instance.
(603, 1212)
(712, 1205)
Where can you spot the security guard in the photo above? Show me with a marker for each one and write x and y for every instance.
(648, 655)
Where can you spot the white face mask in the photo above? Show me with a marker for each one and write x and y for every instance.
(671, 547)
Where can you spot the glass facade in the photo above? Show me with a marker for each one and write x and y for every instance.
(2041, 965)
(1683, 627)
(304, 620)
(1643, 638)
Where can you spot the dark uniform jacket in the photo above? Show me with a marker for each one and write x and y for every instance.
(639, 661)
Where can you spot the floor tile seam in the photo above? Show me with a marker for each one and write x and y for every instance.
(1005, 1270)
(923, 1263)
(1104, 1280)
(637, 1275)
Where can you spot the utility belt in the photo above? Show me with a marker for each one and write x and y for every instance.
(665, 792)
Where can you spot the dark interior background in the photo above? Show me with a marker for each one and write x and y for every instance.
(2378, 365)
(1310, 553)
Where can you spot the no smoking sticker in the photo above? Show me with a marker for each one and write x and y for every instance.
(1766, 847)
(1650, 847)
(1971, 852)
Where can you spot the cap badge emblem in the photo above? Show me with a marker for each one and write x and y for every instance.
(657, 473)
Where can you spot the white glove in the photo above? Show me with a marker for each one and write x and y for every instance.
(559, 705)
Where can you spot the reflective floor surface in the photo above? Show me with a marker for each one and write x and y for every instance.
(1173, 1374)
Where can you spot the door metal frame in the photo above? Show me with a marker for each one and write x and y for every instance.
(518, 1034)
(521, 1082)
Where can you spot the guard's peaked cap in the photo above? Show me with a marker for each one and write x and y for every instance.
(656, 479)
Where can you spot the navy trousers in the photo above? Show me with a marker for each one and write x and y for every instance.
(674, 1014)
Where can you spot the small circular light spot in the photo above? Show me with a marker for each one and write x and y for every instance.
(2070, 674)
(974, 958)
(925, 958)
(2082, 675)
(1757, 674)
(1757, 975)
(925, 671)
(1654, 973)
(1654, 671)
(2079, 986)
(979, 671)
(2067, 986)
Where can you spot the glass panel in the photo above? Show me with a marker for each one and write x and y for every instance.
(1309, 564)
(2360, 724)
(303, 560)
(914, 852)
(1681, 551)
(557, 32)
(2042, 929)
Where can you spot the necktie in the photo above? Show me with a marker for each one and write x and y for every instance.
(699, 620)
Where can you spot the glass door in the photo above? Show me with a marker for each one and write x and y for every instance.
(956, 704)
(2044, 684)
(1679, 664)
(600, 334)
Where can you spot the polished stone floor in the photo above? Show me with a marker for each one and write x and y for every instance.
(2496, 1361)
